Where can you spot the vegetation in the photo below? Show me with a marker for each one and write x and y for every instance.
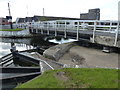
(18, 29)
(75, 78)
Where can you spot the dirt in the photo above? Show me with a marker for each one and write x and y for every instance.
(76, 58)
(78, 55)
(61, 76)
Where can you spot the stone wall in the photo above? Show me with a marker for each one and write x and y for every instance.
(57, 51)
(105, 40)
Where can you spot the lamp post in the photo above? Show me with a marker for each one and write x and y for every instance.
(118, 19)
(9, 18)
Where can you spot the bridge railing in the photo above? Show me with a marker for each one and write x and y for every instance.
(73, 25)
(78, 26)
(82, 24)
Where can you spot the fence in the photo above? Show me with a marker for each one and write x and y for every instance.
(92, 27)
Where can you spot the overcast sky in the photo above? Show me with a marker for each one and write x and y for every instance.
(59, 8)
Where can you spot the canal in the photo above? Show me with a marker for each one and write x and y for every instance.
(21, 44)
(25, 44)
(29, 43)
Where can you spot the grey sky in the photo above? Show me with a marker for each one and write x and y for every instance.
(60, 8)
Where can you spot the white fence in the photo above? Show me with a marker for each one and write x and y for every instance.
(93, 27)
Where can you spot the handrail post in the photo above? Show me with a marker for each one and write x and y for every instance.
(55, 26)
(83, 26)
(110, 26)
(48, 28)
(116, 34)
(42, 27)
(78, 31)
(65, 30)
(37, 28)
(94, 32)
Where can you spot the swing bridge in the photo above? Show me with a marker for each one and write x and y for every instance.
(104, 32)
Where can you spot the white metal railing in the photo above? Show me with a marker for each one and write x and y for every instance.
(84, 25)
(78, 25)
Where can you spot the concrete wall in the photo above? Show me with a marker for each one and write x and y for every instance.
(105, 40)
(7, 26)
(23, 33)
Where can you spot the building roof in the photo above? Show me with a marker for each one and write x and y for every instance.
(43, 18)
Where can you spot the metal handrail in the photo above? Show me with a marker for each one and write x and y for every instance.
(79, 25)
(6, 56)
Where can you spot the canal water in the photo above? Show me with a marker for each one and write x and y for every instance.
(21, 44)
(26, 44)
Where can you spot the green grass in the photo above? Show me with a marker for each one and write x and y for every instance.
(18, 29)
(75, 78)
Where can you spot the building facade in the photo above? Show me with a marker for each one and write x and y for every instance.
(93, 14)
(3, 21)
